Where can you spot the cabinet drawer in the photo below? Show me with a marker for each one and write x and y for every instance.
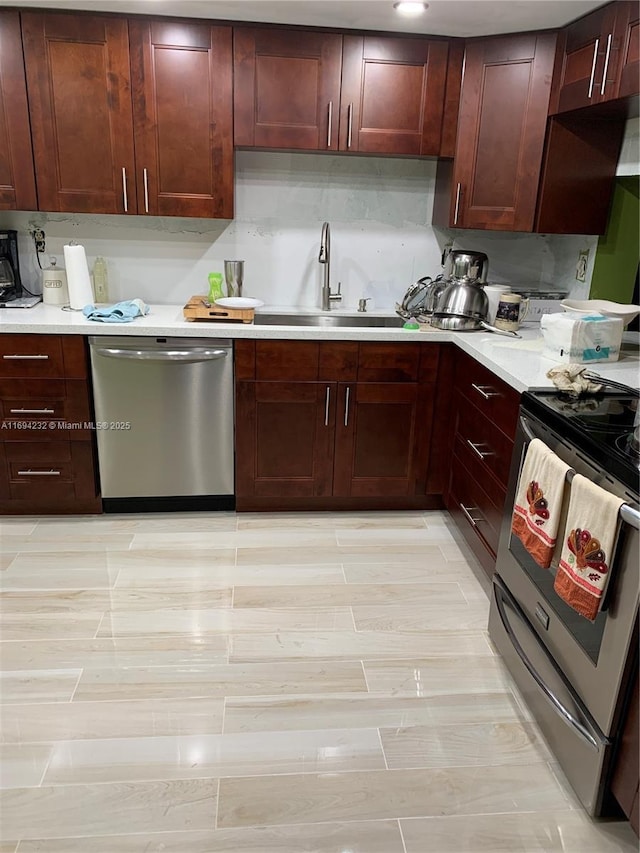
(489, 445)
(479, 511)
(493, 397)
(477, 470)
(279, 361)
(28, 407)
(388, 362)
(31, 355)
(40, 471)
(26, 356)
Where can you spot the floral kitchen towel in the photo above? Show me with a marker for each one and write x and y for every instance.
(590, 536)
(538, 504)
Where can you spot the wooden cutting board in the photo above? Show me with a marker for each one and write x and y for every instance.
(199, 308)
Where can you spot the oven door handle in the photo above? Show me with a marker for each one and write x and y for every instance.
(500, 594)
(526, 429)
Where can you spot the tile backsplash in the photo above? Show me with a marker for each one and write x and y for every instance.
(381, 237)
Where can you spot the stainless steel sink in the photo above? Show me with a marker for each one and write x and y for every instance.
(328, 320)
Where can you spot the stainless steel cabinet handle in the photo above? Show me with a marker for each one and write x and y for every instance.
(30, 473)
(349, 124)
(593, 66)
(159, 355)
(487, 394)
(31, 411)
(125, 197)
(26, 357)
(326, 406)
(329, 122)
(346, 407)
(500, 597)
(467, 513)
(457, 210)
(145, 179)
(606, 64)
(477, 451)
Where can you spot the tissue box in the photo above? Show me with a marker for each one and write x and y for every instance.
(581, 339)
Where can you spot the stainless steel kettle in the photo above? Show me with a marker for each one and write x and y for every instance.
(469, 266)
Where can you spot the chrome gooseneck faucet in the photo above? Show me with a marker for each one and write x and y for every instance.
(325, 258)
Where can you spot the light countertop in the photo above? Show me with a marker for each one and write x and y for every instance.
(520, 363)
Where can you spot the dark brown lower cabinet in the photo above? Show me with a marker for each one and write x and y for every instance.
(47, 444)
(482, 413)
(626, 770)
(284, 438)
(316, 442)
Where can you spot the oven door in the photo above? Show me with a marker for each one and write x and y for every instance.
(592, 658)
(581, 749)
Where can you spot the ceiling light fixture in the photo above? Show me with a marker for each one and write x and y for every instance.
(410, 8)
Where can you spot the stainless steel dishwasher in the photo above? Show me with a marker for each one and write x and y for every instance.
(164, 422)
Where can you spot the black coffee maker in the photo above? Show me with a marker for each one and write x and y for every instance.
(10, 283)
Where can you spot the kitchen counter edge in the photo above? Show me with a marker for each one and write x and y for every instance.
(520, 363)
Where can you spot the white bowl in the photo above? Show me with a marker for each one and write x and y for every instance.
(602, 306)
(239, 302)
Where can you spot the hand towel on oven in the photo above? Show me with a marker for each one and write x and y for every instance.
(589, 540)
(538, 504)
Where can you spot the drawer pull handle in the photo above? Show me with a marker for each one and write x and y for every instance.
(346, 407)
(31, 411)
(476, 449)
(326, 405)
(25, 357)
(467, 512)
(30, 473)
(606, 64)
(485, 390)
(457, 209)
(593, 67)
(125, 197)
(145, 179)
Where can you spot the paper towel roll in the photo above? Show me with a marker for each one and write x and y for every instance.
(78, 279)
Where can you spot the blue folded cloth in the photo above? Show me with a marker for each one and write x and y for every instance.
(121, 312)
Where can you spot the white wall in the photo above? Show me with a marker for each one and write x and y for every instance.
(382, 239)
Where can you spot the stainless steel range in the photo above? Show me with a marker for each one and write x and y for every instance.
(574, 672)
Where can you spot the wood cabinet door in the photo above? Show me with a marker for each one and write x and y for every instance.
(583, 49)
(501, 131)
(627, 37)
(17, 179)
(286, 88)
(80, 103)
(182, 105)
(392, 96)
(284, 439)
(376, 439)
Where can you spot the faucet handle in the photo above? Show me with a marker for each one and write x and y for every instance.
(337, 296)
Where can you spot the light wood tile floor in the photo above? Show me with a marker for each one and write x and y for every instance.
(291, 683)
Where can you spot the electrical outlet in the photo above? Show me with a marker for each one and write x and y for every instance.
(38, 240)
(581, 266)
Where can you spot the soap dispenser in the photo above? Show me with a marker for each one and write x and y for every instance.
(100, 281)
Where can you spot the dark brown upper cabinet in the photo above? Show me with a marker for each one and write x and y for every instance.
(286, 89)
(80, 104)
(17, 179)
(493, 182)
(114, 130)
(597, 59)
(319, 91)
(392, 95)
(181, 75)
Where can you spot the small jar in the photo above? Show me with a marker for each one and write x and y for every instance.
(54, 284)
